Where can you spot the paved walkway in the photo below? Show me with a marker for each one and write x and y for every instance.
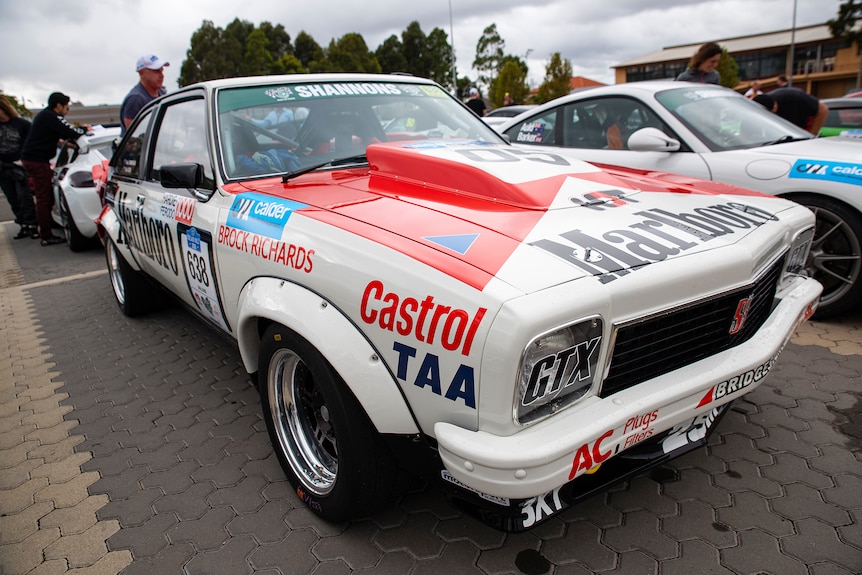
(778, 490)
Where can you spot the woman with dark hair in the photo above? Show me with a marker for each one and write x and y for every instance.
(702, 66)
(13, 178)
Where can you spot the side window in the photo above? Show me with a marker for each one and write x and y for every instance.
(129, 156)
(537, 130)
(181, 139)
(605, 123)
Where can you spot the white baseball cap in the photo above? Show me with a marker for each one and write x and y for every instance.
(474, 92)
(150, 61)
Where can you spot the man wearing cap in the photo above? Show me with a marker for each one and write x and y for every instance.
(476, 103)
(40, 147)
(151, 70)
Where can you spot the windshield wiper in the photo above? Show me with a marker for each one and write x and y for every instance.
(357, 159)
(784, 139)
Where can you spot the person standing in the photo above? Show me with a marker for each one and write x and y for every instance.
(40, 147)
(702, 66)
(796, 106)
(476, 103)
(151, 85)
(13, 178)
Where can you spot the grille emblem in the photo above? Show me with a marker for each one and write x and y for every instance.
(742, 309)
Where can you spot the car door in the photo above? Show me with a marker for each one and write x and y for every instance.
(597, 130)
(171, 227)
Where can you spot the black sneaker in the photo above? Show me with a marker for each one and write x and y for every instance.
(52, 241)
(27, 232)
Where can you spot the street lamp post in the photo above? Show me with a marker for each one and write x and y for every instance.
(452, 37)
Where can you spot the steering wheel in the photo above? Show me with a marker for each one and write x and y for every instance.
(269, 133)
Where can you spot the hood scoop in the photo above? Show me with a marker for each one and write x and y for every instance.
(491, 172)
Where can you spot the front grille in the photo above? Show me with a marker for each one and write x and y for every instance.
(660, 344)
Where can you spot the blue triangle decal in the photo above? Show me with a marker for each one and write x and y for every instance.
(458, 243)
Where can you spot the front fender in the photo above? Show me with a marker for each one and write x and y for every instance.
(108, 224)
(335, 337)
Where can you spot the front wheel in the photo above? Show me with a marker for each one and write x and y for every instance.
(133, 293)
(329, 449)
(835, 259)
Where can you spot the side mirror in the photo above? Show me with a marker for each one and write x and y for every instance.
(189, 176)
(652, 140)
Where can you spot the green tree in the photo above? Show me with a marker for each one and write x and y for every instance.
(307, 50)
(844, 27)
(464, 85)
(19, 107)
(489, 54)
(413, 46)
(350, 54)
(390, 55)
(439, 58)
(205, 58)
(278, 40)
(511, 79)
(288, 64)
(258, 60)
(240, 49)
(558, 79)
(728, 69)
(235, 41)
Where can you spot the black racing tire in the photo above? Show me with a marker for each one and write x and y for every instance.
(329, 449)
(835, 259)
(134, 294)
(77, 241)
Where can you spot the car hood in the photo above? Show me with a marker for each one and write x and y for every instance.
(836, 149)
(480, 211)
(835, 160)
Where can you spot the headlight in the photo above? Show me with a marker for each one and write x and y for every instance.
(557, 368)
(798, 254)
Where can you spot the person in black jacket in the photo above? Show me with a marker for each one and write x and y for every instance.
(796, 106)
(49, 127)
(13, 177)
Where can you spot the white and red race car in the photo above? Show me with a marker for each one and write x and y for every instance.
(412, 294)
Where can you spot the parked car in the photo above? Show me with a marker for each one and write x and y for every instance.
(714, 133)
(422, 297)
(499, 115)
(844, 119)
(76, 201)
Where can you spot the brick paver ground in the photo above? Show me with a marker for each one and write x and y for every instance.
(137, 446)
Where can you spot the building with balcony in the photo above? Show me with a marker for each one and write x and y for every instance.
(821, 65)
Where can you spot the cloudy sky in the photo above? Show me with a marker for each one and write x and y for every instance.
(88, 49)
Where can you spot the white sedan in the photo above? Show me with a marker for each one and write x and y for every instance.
(713, 133)
(76, 200)
(414, 295)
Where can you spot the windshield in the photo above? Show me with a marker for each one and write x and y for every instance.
(724, 120)
(267, 130)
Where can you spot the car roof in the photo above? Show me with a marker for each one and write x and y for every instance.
(518, 108)
(641, 89)
(843, 102)
(307, 78)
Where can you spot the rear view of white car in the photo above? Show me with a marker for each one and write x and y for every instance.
(76, 201)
